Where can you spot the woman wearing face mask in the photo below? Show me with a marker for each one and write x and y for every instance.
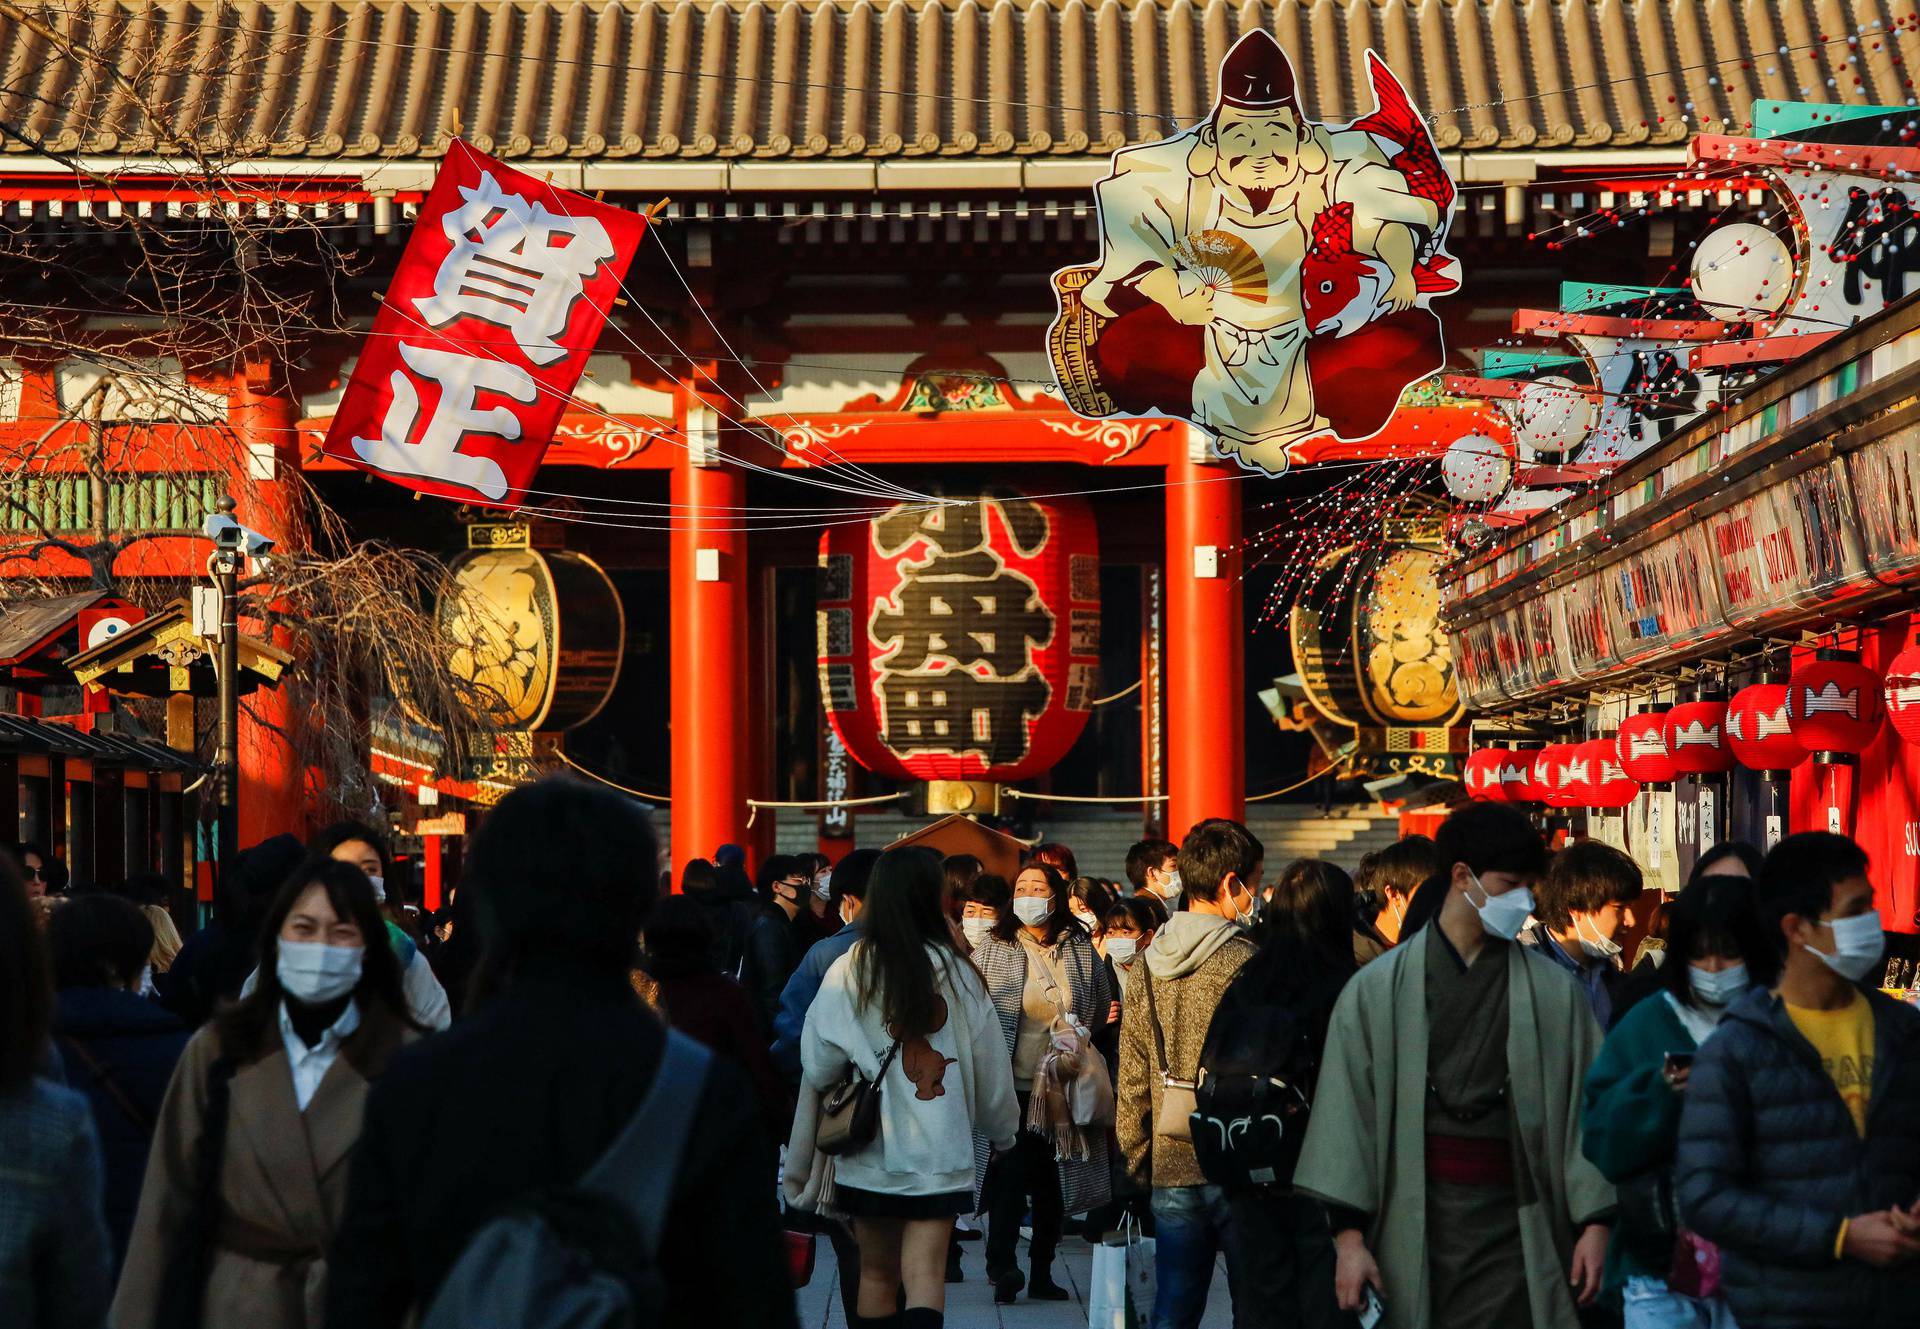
(248, 1174)
(1040, 967)
(1636, 1086)
(365, 848)
(1129, 931)
(989, 899)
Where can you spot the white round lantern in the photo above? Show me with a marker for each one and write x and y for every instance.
(1551, 417)
(1742, 271)
(1476, 468)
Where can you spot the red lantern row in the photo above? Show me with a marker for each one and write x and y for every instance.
(1566, 775)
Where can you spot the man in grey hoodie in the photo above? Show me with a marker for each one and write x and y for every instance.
(1170, 1004)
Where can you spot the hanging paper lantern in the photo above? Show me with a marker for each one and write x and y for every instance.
(1481, 774)
(1742, 272)
(1516, 776)
(1758, 730)
(1551, 417)
(1541, 779)
(1697, 738)
(1902, 693)
(1476, 468)
(1609, 786)
(961, 642)
(1642, 748)
(1566, 775)
(1834, 704)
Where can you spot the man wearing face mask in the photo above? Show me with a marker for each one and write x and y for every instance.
(1585, 904)
(1445, 1137)
(779, 937)
(1175, 987)
(1153, 866)
(1799, 1149)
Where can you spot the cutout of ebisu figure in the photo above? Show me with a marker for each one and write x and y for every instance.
(1264, 276)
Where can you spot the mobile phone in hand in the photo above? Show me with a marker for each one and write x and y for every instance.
(1678, 1061)
(1372, 1309)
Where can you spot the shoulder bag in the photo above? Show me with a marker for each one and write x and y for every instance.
(1173, 1119)
(850, 1111)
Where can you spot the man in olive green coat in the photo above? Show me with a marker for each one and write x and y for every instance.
(1445, 1136)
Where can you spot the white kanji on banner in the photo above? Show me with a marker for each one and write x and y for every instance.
(435, 453)
(516, 265)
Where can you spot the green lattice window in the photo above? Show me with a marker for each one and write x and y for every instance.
(168, 503)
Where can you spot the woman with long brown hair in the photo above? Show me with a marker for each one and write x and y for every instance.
(905, 1010)
(247, 1176)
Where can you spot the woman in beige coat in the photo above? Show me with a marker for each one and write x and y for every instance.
(248, 1173)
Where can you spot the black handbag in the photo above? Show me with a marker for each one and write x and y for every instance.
(1647, 1221)
(850, 1111)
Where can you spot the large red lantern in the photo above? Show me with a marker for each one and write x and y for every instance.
(1563, 771)
(1481, 774)
(1516, 775)
(1833, 704)
(1758, 730)
(961, 641)
(1608, 784)
(1539, 782)
(1642, 746)
(1902, 693)
(1696, 733)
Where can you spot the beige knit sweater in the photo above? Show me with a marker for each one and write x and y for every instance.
(1189, 965)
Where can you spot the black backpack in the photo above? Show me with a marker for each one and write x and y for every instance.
(1254, 1092)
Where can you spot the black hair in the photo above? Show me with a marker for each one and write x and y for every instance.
(679, 939)
(560, 872)
(1133, 911)
(1585, 878)
(143, 888)
(1213, 849)
(1798, 877)
(1095, 894)
(249, 1028)
(1154, 905)
(1145, 855)
(1054, 854)
(993, 891)
(1396, 869)
(904, 915)
(1312, 904)
(98, 940)
(851, 876)
(1749, 857)
(347, 832)
(26, 988)
(960, 870)
(1490, 837)
(776, 867)
(699, 877)
(1059, 915)
(1715, 916)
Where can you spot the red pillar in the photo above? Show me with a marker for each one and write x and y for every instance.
(707, 587)
(1205, 647)
(264, 424)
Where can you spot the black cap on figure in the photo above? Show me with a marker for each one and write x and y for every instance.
(1257, 75)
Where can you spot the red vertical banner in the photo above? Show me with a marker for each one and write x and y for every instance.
(496, 305)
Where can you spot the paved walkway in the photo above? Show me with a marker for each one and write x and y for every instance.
(970, 1304)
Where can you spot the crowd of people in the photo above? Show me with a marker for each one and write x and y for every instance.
(1439, 1092)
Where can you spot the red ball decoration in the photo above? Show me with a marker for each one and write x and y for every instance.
(1834, 704)
(1759, 731)
(1697, 738)
(1609, 785)
(1481, 774)
(1902, 693)
(1642, 747)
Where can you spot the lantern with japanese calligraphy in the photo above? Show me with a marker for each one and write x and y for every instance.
(1608, 785)
(1834, 706)
(1642, 745)
(1759, 731)
(1696, 733)
(961, 642)
(1481, 774)
(1902, 693)
(1515, 775)
(1542, 776)
(1565, 775)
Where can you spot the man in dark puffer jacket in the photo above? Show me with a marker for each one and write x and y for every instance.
(1799, 1150)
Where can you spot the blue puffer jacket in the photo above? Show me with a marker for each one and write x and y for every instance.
(1769, 1163)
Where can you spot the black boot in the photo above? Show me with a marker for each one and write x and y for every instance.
(1006, 1285)
(954, 1272)
(921, 1317)
(1041, 1287)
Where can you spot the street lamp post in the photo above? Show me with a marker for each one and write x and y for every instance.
(225, 567)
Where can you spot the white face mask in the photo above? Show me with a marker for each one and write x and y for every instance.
(977, 930)
(1087, 920)
(823, 887)
(1032, 910)
(1120, 950)
(146, 980)
(313, 972)
(1503, 915)
(1597, 947)
(846, 911)
(1170, 884)
(1716, 987)
(1857, 944)
(379, 885)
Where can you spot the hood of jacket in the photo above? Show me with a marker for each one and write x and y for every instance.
(1185, 942)
(109, 1012)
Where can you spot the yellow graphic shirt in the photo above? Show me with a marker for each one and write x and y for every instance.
(1844, 1040)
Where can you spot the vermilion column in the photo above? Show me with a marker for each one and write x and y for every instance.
(707, 586)
(1205, 648)
(271, 781)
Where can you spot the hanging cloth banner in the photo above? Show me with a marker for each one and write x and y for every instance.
(492, 313)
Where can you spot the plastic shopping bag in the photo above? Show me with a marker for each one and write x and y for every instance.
(1122, 1292)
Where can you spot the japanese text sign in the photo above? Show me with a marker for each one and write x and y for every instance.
(492, 313)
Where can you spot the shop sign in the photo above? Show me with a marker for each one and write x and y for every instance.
(450, 823)
(836, 781)
(1786, 548)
